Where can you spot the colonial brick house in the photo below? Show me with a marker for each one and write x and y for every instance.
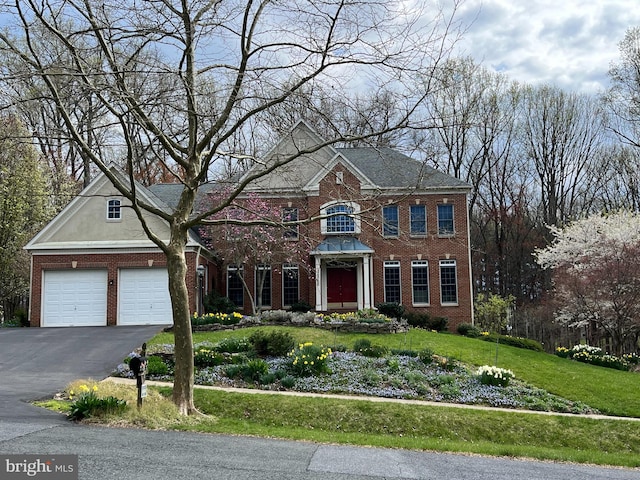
(389, 229)
(382, 227)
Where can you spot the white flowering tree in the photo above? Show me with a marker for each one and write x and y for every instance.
(596, 266)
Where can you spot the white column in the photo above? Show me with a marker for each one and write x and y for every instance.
(319, 301)
(366, 277)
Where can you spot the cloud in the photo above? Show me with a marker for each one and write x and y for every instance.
(567, 43)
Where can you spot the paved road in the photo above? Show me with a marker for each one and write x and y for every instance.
(35, 363)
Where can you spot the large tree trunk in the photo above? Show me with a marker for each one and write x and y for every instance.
(183, 338)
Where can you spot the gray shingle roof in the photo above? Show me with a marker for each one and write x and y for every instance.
(388, 168)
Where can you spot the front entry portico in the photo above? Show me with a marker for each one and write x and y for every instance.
(343, 275)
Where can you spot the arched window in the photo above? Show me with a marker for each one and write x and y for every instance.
(340, 218)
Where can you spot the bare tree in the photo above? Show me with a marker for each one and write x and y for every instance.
(562, 135)
(623, 98)
(190, 75)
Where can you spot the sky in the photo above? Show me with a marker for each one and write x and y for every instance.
(566, 43)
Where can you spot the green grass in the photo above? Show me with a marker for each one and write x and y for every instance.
(359, 422)
(426, 427)
(613, 392)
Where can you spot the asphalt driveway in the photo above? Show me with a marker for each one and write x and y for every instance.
(38, 362)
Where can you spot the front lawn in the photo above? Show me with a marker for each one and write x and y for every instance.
(612, 392)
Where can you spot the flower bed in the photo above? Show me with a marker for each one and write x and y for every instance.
(596, 356)
(365, 321)
(404, 376)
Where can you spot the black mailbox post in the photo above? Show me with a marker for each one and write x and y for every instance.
(138, 366)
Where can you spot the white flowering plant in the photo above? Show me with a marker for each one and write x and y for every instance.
(489, 375)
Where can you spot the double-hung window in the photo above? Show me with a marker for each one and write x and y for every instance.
(420, 282)
(290, 215)
(263, 285)
(392, 282)
(418, 220)
(235, 290)
(445, 219)
(390, 226)
(448, 282)
(290, 285)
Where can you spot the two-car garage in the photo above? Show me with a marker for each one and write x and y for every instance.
(79, 297)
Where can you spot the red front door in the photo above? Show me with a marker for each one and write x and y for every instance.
(341, 287)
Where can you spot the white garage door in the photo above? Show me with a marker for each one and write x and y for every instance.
(143, 297)
(74, 298)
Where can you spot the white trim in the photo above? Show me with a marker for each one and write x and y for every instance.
(448, 263)
(420, 263)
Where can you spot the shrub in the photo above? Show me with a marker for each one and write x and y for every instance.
(426, 356)
(375, 351)
(494, 376)
(308, 359)
(204, 357)
(216, 303)
(301, 306)
(468, 330)
(274, 344)
(360, 344)
(251, 371)
(364, 347)
(233, 345)
(426, 321)
(288, 382)
(86, 403)
(21, 317)
(517, 342)
(156, 366)
(391, 309)
(404, 352)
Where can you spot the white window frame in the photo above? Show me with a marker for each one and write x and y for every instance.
(448, 264)
(392, 264)
(115, 208)
(355, 215)
(420, 264)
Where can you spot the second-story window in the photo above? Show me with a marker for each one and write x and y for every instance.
(114, 210)
(290, 214)
(340, 218)
(445, 219)
(418, 220)
(390, 226)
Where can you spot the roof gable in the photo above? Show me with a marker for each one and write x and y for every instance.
(377, 168)
(83, 223)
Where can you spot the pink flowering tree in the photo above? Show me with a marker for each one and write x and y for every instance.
(596, 266)
(252, 232)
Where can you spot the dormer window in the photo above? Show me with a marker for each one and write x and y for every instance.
(340, 218)
(114, 210)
